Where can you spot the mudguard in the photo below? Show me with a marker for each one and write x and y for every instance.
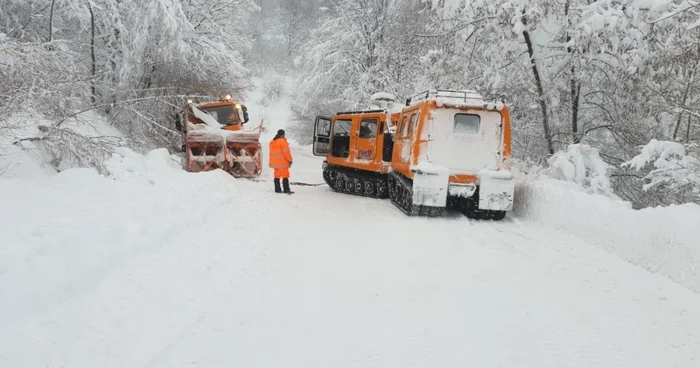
(496, 190)
(430, 185)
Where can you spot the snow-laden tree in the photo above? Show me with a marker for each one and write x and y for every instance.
(672, 170)
(669, 9)
(135, 61)
(296, 19)
(361, 47)
(573, 71)
(582, 164)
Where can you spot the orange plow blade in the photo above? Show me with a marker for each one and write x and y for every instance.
(237, 152)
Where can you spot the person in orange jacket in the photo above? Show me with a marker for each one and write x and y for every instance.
(281, 161)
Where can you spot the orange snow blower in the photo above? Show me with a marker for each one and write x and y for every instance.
(215, 138)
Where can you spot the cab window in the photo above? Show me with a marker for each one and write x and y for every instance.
(225, 115)
(403, 127)
(414, 121)
(466, 124)
(368, 128)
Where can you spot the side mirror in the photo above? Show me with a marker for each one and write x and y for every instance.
(178, 123)
(246, 118)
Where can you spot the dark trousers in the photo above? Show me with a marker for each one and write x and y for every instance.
(285, 184)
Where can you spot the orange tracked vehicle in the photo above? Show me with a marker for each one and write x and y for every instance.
(214, 138)
(448, 149)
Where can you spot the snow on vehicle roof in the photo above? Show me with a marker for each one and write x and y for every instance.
(205, 117)
(211, 130)
(383, 96)
(460, 98)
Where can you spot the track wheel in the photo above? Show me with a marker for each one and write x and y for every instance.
(359, 186)
(349, 186)
(327, 177)
(369, 188)
(381, 189)
(339, 184)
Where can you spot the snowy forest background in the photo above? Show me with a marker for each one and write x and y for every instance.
(619, 76)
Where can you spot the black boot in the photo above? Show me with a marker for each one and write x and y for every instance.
(278, 189)
(285, 183)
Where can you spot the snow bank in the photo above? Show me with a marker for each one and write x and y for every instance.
(127, 166)
(62, 235)
(663, 240)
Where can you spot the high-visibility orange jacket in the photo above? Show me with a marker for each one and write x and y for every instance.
(280, 155)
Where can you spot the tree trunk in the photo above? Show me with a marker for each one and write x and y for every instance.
(691, 73)
(680, 115)
(53, 2)
(93, 93)
(575, 88)
(540, 90)
(114, 55)
(575, 97)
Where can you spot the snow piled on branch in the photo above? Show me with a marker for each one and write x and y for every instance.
(673, 166)
(33, 147)
(582, 165)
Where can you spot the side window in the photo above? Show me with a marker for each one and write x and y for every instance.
(414, 121)
(466, 124)
(341, 128)
(341, 138)
(403, 127)
(368, 128)
(323, 128)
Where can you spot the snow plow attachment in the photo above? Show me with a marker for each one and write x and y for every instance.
(214, 138)
(238, 154)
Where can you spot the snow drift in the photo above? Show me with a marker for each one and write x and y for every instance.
(663, 240)
(62, 235)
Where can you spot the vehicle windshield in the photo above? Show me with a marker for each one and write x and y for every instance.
(225, 115)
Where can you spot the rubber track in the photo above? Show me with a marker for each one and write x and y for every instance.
(345, 174)
(468, 207)
(402, 184)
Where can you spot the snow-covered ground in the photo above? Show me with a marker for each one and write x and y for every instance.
(155, 267)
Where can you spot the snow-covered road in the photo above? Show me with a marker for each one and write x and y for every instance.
(159, 268)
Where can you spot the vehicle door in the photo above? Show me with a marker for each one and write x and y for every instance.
(366, 142)
(408, 131)
(322, 136)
